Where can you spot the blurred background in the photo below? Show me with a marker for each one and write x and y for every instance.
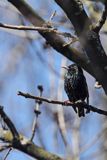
(26, 61)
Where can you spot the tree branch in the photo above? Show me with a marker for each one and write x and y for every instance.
(33, 28)
(75, 12)
(9, 124)
(26, 146)
(102, 20)
(53, 39)
(89, 39)
(97, 61)
(74, 105)
(22, 143)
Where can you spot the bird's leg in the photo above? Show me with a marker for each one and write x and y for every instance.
(80, 107)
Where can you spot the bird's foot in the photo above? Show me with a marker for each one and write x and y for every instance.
(66, 102)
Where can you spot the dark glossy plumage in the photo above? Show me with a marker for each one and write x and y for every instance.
(75, 84)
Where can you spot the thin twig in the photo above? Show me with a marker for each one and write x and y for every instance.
(74, 105)
(37, 112)
(73, 40)
(7, 154)
(34, 128)
(52, 16)
(102, 20)
(33, 28)
(48, 23)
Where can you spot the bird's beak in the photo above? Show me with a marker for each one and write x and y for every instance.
(65, 67)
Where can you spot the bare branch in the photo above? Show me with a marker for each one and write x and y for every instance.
(28, 147)
(9, 124)
(102, 20)
(74, 105)
(37, 112)
(7, 154)
(23, 144)
(33, 28)
(89, 39)
(54, 40)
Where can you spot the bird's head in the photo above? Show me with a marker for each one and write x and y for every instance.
(73, 68)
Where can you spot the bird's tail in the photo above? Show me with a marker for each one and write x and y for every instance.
(88, 109)
(88, 100)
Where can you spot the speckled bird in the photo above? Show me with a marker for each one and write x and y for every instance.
(75, 85)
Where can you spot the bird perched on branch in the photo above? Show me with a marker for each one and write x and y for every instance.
(75, 86)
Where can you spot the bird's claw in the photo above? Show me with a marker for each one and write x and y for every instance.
(65, 103)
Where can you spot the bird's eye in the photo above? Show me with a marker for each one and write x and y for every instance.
(73, 69)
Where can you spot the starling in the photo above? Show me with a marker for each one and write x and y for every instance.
(75, 86)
